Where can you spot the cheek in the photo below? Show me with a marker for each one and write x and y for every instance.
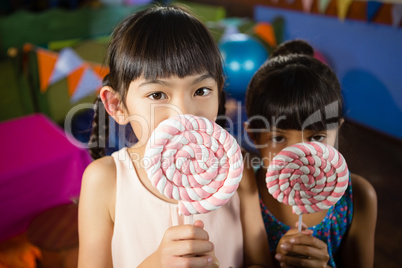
(331, 138)
(209, 109)
(141, 128)
(267, 155)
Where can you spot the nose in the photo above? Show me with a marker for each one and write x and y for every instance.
(299, 139)
(182, 105)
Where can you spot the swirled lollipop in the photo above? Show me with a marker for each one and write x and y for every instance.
(195, 161)
(309, 176)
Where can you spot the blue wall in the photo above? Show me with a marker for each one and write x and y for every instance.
(366, 57)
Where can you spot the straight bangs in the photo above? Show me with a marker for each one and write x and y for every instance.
(293, 100)
(157, 48)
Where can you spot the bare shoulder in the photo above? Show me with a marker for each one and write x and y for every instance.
(364, 202)
(363, 190)
(100, 171)
(99, 181)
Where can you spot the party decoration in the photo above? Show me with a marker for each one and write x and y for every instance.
(343, 8)
(396, 14)
(46, 62)
(83, 77)
(307, 4)
(266, 32)
(323, 5)
(88, 81)
(310, 177)
(195, 161)
(242, 56)
(67, 62)
(372, 9)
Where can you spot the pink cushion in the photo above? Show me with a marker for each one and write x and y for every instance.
(39, 168)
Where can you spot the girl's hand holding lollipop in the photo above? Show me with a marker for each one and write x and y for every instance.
(310, 177)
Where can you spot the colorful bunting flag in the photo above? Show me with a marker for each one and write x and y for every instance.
(323, 5)
(343, 8)
(83, 78)
(266, 32)
(66, 63)
(307, 4)
(89, 82)
(372, 9)
(46, 62)
(396, 14)
(74, 78)
(100, 70)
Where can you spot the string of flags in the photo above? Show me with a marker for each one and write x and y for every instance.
(83, 78)
(343, 7)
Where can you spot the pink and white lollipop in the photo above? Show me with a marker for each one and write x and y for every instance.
(195, 161)
(309, 176)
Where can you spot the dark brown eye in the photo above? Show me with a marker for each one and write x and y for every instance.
(278, 139)
(318, 138)
(157, 96)
(202, 91)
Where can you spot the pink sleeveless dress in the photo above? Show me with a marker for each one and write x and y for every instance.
(141, 220)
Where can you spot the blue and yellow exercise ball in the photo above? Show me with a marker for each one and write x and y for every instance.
(242, 56)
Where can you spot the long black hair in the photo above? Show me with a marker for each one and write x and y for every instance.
(157, 43)
(293, 90)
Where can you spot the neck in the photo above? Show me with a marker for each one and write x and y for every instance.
(136, 155)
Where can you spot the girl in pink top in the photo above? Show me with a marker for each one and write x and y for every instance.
(163, 62)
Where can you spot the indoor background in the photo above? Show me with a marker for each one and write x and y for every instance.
(44, 107)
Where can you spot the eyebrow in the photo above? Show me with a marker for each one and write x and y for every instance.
(164, 83)
(153, 81)
(202, 78)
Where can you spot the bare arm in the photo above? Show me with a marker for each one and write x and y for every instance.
(358, 245)
(96, 206)
(96, 221)
(256, 249)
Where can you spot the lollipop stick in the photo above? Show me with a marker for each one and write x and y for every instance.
(188, 219)
(300, 223)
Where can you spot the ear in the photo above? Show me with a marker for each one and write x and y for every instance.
(113, 105)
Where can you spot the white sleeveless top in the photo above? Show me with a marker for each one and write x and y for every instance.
(141, 220)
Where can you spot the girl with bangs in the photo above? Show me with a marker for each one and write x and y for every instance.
(163, 62)
(294, 98)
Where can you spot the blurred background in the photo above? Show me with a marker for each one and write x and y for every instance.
(52, 65)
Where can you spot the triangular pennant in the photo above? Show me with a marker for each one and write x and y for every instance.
(307, 4)
(396, 14)
(343, 8)
(279, 27)
(100, 70)
(323, 5)
(89, 83)
(266, 32)
(74, 78)
(372, 9)
(46, 63)
(67, 62)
